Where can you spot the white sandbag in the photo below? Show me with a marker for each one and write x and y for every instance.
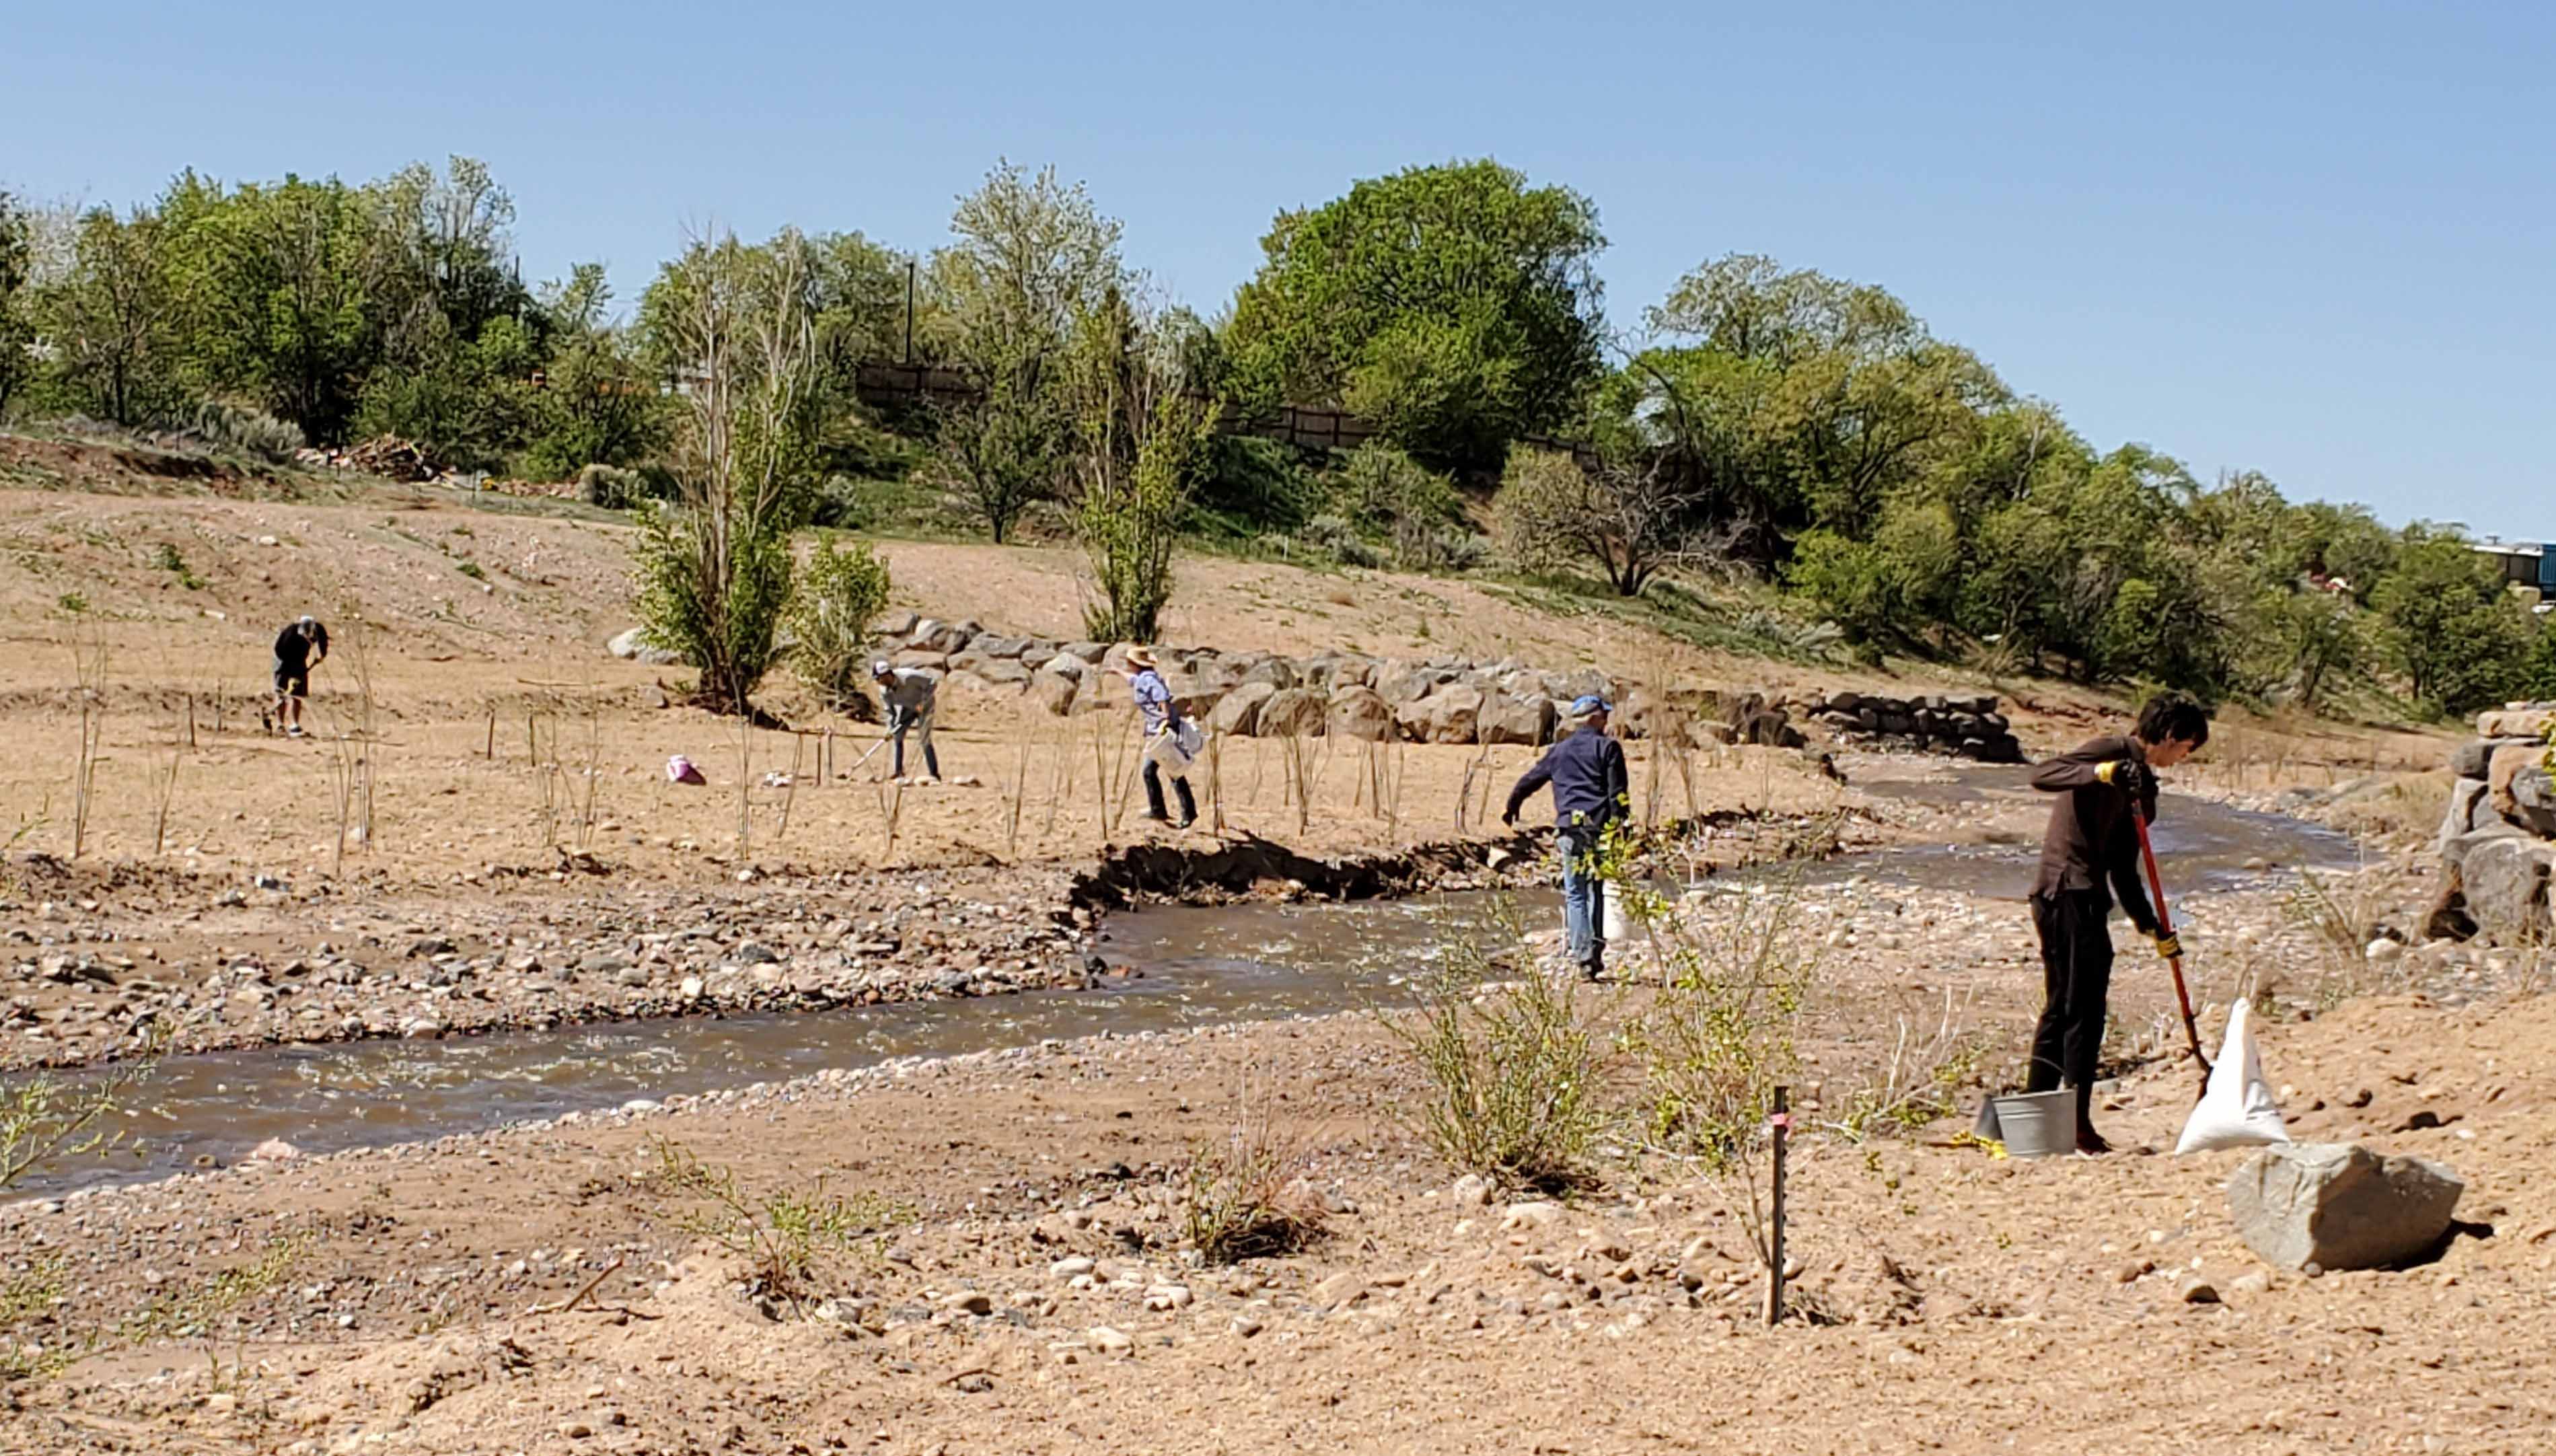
(2237, 1108)
(1612, 924)
(1178, 747)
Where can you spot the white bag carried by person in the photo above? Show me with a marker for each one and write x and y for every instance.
(1177, 747)
(2237, 1108)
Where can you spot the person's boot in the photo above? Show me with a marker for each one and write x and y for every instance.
(2089, 1142)
(1189, 803)
(1154, 797)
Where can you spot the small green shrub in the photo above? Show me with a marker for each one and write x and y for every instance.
(611, 487)
(474, 571)
(1335, 538)
(1246, 1195)
(1513, 1073)
(1382, 491)
(841, 590)
(251, 433)
(786, 1236)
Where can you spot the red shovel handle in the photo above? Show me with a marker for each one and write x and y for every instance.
(2165, 926)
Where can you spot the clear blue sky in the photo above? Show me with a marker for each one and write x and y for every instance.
(2311, 238)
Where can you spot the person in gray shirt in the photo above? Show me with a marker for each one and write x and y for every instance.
(909, 693)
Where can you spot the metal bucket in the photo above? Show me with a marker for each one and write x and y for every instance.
(2039, 1124)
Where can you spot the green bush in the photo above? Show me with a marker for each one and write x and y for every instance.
(1249, 487)
(1513, 1073)
(1384, 491)
(841, 590)
(720, 611)
(252, 432)
(1335, 539)
(611, 487)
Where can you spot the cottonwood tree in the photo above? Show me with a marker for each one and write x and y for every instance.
(1456, 307)
(1140, 437)
(111, 319)
(1630, 518)
(714, 568)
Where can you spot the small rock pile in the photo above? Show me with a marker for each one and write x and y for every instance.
(1970, 726)
(2496, 854)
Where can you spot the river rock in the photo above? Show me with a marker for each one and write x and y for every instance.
(1277, 672)
(2533, 796)
(2507, 765)
(1066, 665)
(1054, 692)
(1089, 652)
(1238, 715)
(2505, 878)
(2341, 1206)
(993, 646)
(2460, 818)
(1293, 713)
(2516, 722)
(1361, 712)
(1510, 719)
(2469, 760)
(633, 646)
(1447, 715)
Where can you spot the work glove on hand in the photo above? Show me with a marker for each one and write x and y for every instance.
(2131, 776)
(2169, 947)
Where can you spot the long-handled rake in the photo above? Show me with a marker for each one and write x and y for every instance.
(2165, 926)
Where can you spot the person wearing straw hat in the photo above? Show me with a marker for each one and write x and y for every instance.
(1590, 790)
(1168, 736)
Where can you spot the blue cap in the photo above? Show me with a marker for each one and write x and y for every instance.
(1588, 703)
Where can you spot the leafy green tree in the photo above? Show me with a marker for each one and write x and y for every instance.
(840, 591)
(2457, 636)
(112, 320)
(275, 288)
(17, 327)
(1033, 256)
(715, 568)
(1455, 307)
(598, 403)
(2538, 670)
(1143, 437)
(1006, 448)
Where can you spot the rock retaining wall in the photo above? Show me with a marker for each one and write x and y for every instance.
(2497, 841)
(1971, 727)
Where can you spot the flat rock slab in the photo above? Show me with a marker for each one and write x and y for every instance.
(2341, 1206)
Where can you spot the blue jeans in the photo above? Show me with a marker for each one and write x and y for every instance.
(1584, 927)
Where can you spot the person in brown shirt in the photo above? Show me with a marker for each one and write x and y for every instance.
(2090, 854)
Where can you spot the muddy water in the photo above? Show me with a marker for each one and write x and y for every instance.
(1198, 967)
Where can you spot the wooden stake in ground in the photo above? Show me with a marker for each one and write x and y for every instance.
(1779, 1125)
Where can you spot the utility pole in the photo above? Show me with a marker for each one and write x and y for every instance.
(909, 311)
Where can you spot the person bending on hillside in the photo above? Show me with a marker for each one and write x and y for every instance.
(1590, 790)
(297, 649)
(911, 695)
(2091, 841)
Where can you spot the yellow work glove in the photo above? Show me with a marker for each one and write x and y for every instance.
(2170, 947)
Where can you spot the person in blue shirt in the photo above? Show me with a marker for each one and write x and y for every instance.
(1590, 790)
(1161, 717)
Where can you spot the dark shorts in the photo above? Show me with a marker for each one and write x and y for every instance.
(292, 681)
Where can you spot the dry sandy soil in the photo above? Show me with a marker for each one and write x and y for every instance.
(1946, 1301)
(1952, 1302)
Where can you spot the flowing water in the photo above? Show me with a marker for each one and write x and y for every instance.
(1198, 967)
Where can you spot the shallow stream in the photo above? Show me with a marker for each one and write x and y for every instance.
(1198, 967)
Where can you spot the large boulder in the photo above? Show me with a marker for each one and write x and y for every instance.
(2470, 759)
(1361, 712)
(1293, 713)
(1066, 665)
(1090, 652)
(1510, 719)
(2506, 765)
(632, 646)
(2516, 722)
(1053, 691)
(1448, 716)
(990, 645)
(2341, 1206)
(1277, 672)
(2533, 800)
(2460, 818)
(939, 636)
(1238, 715)
(919, 657)
(2506, 879)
